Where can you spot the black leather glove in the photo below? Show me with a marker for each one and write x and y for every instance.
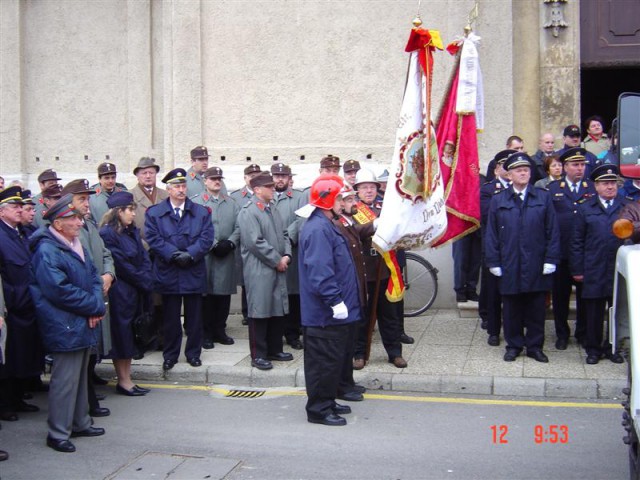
(223, 248)
(182, 259)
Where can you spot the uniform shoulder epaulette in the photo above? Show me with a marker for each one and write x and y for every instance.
(630, 198)
(562, 184)
(487, 183)
(195, 195)
(235, 191)
(585, 184)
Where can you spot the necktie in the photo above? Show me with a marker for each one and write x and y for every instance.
(607, 204)
(177, 209)
(574, 189)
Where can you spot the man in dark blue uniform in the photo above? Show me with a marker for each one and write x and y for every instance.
(566, 194)
(490, 303)
(523, 249)
(180, 234)
(593, 257)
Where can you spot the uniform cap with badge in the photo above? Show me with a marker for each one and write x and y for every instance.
(502, 155)
(571, 131)
(48, 174)
(11, 195)
(52, 191)
(280, 169)
(63, 208)
(177, 175)
(605, 173)
(77, 187)
(106, 168)
(199, 152)
(253, 168)
(518, 159)
(146, 162)
(263, 179)
(351, 166)
(27, 197)
(575, 154)
(213, 172)
(330, 161)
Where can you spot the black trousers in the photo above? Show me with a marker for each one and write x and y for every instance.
(265, 336)
(346, 377)
(561, 295)
(596, 341)
(524, 321)
(466, 262)
(324, 354)
(215, 311)
(490, 304)
(389, 323)
(91, 390)
(292, 320)
(173, 329)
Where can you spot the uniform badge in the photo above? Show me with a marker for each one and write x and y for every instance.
(205, 197)
(261, 206)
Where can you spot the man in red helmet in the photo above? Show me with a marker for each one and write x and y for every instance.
(329, 300)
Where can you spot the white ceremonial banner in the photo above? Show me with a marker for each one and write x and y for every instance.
(413, 213)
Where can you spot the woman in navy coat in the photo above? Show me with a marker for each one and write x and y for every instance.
(129, 296)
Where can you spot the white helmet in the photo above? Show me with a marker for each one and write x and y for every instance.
(365, 175)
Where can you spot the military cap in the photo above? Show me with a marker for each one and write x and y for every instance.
(106, 168)
(263, 179)
(146, 162)
(330, 161)
(280, 169)
(120, 199)
(48, 174)
(253, 168)
(605, 172)
(518, 159)
(11, 195)
(177, 175)
(199, 152)
(53, 191)
(213, 172)
(571, 131)
(63, 208)
(26, 197)
(502, 155)
(351, 165)
(576, 154)
(78, 186)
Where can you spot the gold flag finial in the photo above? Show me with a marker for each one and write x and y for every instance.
(473, 14)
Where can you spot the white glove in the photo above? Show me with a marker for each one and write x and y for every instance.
(340, 311)
(548, 268)
(497, 271)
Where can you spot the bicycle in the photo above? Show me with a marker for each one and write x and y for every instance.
(420, 283)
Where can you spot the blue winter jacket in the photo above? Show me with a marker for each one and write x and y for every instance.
(66, 292)
(327, 273)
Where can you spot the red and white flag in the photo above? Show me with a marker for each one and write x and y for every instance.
(460, 117)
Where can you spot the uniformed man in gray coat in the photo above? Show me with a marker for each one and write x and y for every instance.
(106, 186)
(266, 255)
(221, 264)
(287, 201)
(199, 164)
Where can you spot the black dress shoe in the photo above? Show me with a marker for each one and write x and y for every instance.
(406, 339)
(511, 355)
(281, 357)
(593, 359)
(26, 407)
(261, 364)
(538, 356)
(296, 344)
(331, 420)
(64, 446)
(352, 396)
(493, 340)
(89, 432)
(359, 388)
(168, 365)
(3, 455)
(208, 344)
(472, 296)
(245, 321)
(99, 412)
(195, 362)
(562, 343)
(141, 389)
(461, 297)
(484, 324)
(341, 409)
(98, 380)
(226, 340)
(616, 358)
(132, 392)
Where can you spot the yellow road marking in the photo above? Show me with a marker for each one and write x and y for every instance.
(403, 398)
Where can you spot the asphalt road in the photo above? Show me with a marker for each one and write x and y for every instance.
(183, 432)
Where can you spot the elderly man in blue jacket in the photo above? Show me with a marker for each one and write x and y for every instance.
(329, 300)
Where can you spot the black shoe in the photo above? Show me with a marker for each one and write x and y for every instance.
(132, 392)
(98, 380)
(331, 420)
(89, 432)
(484, 324)
(100, 397)
(493, 340)
(23, 406)
(168, 365)
(195, 362)
(472, 296)
(296, 344)
(3, 456)
(99, 412)
(352, 396)
(226, 340)
(281, 357)
(538, 356)
(461, 297)
(208, 344)
(404, 338)
(9, 416)
(261, 364)
(359, 388)
(592, 359)
(245, 321)
(27, 396)
(64, 446)
(138, 356)
(511, 355)
(341, 409)
(562, 343)
(141, 389)
(616, 358)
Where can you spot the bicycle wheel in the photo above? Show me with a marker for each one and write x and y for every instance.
(420, 283)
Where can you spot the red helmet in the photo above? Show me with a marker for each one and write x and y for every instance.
(324, 191)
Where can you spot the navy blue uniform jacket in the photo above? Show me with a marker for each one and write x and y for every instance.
(521, 239)
(327, 273)
(166, 234)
